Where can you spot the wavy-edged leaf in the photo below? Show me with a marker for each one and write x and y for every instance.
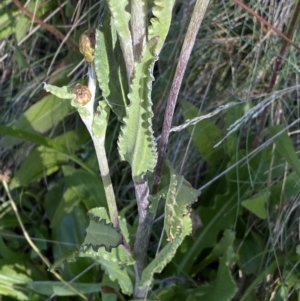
(110, 68)
(120, 21)
(177, 223)
(101, 232)
(116, 262)
(48, 288)
(166, 254)
(180, 196)
(160, 23)
(136, 141)
(40, 117)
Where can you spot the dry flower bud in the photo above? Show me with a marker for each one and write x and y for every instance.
(83, 94)
(87, 43)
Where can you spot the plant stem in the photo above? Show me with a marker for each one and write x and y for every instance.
(143, 233)
(106, 180)
(188, 44)
(99, 144)
(138, 26)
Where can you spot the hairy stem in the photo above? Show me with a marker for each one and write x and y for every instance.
(143, 233)
(138, 26)
(189, 41)
(107, 184)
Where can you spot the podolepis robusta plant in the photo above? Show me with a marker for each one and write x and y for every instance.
(121, 54)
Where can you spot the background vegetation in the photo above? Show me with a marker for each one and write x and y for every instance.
(241, 95)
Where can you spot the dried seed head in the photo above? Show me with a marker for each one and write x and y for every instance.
(87, 43)
(83, 94)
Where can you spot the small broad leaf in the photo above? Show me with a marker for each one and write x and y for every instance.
(136, 141)
(284, 146)
(160, 23)
(49, 288)
(110, 68)
(257, 205)
(101, 232)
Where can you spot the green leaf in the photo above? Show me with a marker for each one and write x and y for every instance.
(60, 92)
(136, 141)
(39, 118)
(166, 254)
(120, 21)
(41, 140)
(257, 205)
(284, 146)
(68, 256)
(224, 288)
(49, 288)
(43, 161)
(101, 232)
(114, 262)
(205, 135)
(83, 187)
(223, 214)
(219, 249)
(12, 276)
(160, 23)
(177, 223)
(110, 68)
(180, 197)
(232, 115)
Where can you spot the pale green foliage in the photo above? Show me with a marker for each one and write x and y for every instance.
(136, 141)
(180, 196)
(100, 119)
(115, 261)
(60, 92)
(100, 232)
(110, 68)
(40, 117)
(120, 21)
(177, 223)
(166, 254)
(160, 23)
(48, 288)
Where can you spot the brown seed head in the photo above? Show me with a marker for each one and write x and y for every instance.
(87, 43)
(83, 94)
